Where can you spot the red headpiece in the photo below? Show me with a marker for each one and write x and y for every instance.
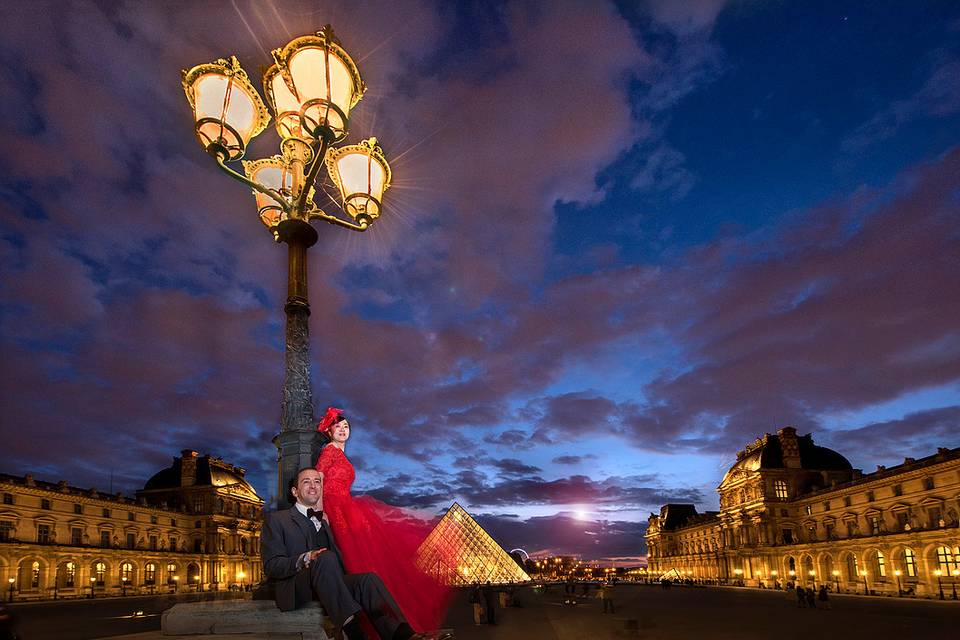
(330, 418)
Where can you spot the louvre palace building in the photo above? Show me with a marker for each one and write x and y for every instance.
(194, 526)
(792, 511)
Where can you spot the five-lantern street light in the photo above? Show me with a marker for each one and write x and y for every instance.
(311, 88)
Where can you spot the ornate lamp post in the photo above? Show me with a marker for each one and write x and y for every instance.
(863, 574)
(955, 573)
(311, 88)
(898, 573)
(836, 579)
(776, 581)
(11, 581)
(939, 574)
(93, 582)
(176, 584)
(813, 577)
(123, 588)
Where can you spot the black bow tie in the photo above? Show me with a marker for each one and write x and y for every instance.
(315, 514)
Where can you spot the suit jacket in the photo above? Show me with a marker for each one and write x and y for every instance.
(285, 536)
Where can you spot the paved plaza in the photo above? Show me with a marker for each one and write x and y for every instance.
(642, 611)
(720, 613)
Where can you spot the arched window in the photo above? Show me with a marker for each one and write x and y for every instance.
(948, 560)
(35, 575)
(71, 574)
(171, 571)
(853, 571)
(100, 570)
(126, 572)
(879, 564)
(150, 573)
(910, 562)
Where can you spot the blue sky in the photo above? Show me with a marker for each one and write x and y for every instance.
(623, 241)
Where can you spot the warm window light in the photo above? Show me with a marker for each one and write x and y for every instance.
(227, 109)
(937, 572)
(312, 87)
(811, 573)
(773, 573)
(835, 572)
(274, 174)
(362, 174)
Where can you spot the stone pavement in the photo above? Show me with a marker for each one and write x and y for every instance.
(720, 613)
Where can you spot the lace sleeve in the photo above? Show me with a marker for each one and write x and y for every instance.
(326, 460)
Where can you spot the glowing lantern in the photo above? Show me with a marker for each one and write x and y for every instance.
(362, 174)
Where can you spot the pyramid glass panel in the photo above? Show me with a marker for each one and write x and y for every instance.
(459, 552)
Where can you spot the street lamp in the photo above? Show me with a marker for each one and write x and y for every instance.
(11, 581)
(898, 573)
(836, 579)
(739, 574)
(93, 583)
(176, 584)
(311, 89)
(863, 574)
(240, 576)
(955, 573)
(123, 587)
(939, 574)
(776, 581)
(813, 577)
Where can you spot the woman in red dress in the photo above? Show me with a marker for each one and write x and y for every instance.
(375, 537)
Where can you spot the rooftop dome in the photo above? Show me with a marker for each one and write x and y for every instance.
(205, 471)
(768, 453)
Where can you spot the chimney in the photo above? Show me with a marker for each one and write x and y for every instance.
(188, 468)
(790, 447)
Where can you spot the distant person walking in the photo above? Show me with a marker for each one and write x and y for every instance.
(824, 598)
(801, 597)
(811, 598)
(490, 603)
(606, 594)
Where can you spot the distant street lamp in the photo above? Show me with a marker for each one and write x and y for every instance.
(176, 584)
(836, 579)
(955, 573)
(93, 582)
(776, 581)
(813, 577)
(898, 573)
(739, 574)
(863, 574)
(939, 574)
(123, 588)
(240, 576)
(11, 581)
(311, 88)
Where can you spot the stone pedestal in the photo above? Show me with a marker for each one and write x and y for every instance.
(243, 617)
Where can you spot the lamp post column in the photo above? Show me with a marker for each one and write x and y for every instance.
(297, 444)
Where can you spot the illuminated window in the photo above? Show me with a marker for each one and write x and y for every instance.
(875, 525)
(71, 575)
(879, 564)
(910, 562)
(150, 573)
(948, 560)
(852, 569)
(171, 571)
(780, 488)
(100, 572)
(126, 572)
(35, 575)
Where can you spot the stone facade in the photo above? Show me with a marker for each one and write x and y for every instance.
(791, 511)
(194, 526)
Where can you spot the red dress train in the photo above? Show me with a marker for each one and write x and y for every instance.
(375, 537)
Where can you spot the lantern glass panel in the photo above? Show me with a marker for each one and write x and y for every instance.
(272, 174)
(310, 67)
(285, 103)
(360, 174)
(218, 97)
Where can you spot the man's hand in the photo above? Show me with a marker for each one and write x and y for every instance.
(308, 556)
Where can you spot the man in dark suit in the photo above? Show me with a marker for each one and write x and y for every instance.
(301, 557)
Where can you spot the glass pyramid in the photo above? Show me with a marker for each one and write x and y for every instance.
(458, 551)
